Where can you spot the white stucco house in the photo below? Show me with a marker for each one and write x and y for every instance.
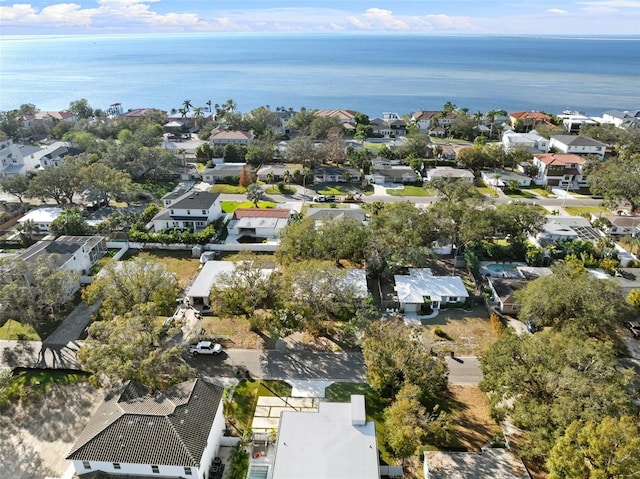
(337, 441)
(145, 433)
(531, 141)
(578, 145)
(230, 137)
(258, 222)
(420, 287)
(448, 172)
(42, 217)
(502, 178)
(193, 209)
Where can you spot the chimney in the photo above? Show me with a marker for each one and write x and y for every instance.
(358, 413)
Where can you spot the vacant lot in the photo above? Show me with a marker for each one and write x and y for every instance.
(180, 263)
(236, 332)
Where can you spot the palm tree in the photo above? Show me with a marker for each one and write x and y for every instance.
(229, 105)
(270, 177)
(209, 105)
(254, 193)
(286, 176)
(26, 229)
(187, 104)
(197, 114)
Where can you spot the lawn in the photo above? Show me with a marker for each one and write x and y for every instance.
(230, 206)
(334, 190)
(237, 330)
(582, 210)
(483, 189)
(245, 397)
(180, 263)
(229, 189)
(275, 190)
(13, 330)
(519, 194)
(544, 193)
(31, 385)
(410, 190)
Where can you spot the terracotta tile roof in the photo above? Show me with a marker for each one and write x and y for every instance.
(560, 159)
(231, 135)
(425, 115)
(140, 427)
(530, 115)
(344, 115)
(261, 213)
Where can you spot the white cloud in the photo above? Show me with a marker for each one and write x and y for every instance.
(59, 14)
(557, 11)
(608, 6)
(384, 19)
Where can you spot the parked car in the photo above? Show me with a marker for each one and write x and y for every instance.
(205, 347)
(530, 326)
(635, 329)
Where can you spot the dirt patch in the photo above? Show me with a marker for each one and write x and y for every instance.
(470, 415)
(35, 438)
(234, 333)
(467, 333)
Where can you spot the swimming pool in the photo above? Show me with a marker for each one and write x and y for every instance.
(501, 267)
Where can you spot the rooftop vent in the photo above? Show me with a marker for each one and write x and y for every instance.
(358, 413)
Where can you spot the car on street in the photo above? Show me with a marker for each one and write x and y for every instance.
(634, 328)
(205, 347)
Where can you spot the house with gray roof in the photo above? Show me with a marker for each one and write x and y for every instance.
(321, 215)
(578, 145)
(145, 433)
(222, 171)
(194, 210)
(335, 174)
(393, 174)
(622, 119)
(452, 173)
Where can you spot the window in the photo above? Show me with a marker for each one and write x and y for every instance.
(188, 212)
(172, 212)
(187, 471)
(155, 469)
(86, 464)
(204, 212)
(116, 465)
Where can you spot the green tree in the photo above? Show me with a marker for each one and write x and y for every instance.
(254, 193)
(262, 121)
(103, 183)
(609, 448)
(134, 346)
(572, 298)
(59, 183)
(302, 150)
(36, 290)
(405, 422)
(547, 380)
(322, 125)
(81, 109)
(70, 222)
(394, 358)
(259, 152)
(134, 285)
(17, 186)
(301, 121)
(618, 181)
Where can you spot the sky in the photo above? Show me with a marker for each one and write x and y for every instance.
(527, 17)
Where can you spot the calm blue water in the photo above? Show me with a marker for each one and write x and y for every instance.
(369, 73)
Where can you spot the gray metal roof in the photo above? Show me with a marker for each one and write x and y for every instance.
(138, 426)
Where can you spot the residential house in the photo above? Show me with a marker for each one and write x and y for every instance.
(276, 171)
(559, 169)
(333, 174)
(258, 222)
(144, 433)
(230, 137)
(528, 120)
(140, 112)
(283, 116)
(567, 228)
(343, 116)
(194, 210)
(503, 293)
(42, 217)
(578, 145)
(433, 122)
(225, 171)
(393, 174)
(503, 178)
(389, 128)
(622, 119)
(322, 215)
(452, 173)
(357, 279)
(212, 273)
(420, 289)
(337, 441)
(186, 121)
(574, 121)
(489, 462)
(16, 159)
(48, 117)
(622, 225)
(531, 142)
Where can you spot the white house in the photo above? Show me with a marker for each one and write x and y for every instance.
(578, 145)
(392, 174)
(573, 122)
(448, 172)
(567, 228)
(345, 117)
(225, 170)
(420, 287)
(140, 432)
(337, 441)
(531, 142)
(502, 178)
(42, 217)
(193, 210)
(258, 222)
(16, 159)
(557, 169)
(622, 119)
(333, 174)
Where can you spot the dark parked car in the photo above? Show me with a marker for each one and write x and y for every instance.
(530, 326)
(634, 328)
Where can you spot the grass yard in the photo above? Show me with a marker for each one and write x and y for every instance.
(410, 190)
(237, 330)
(180, 263)
(519, 194)
(229, 189)
(245, 397)
(31, 385)
(471, 418)
(274, 190)
(230, 206)
(470, 333)
(483, 189)
(13, 330)
(335, 189)
(544, 193)
(586, 210)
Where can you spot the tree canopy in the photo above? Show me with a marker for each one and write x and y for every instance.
(547, 380)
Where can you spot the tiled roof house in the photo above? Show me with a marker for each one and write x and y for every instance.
(168, 434)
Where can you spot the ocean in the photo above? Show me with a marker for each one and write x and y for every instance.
(369, 73)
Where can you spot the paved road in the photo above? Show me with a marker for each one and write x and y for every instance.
(464, 370)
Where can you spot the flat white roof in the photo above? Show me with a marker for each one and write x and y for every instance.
(420, 282)
(325, 445)
(358, 279)
(42, 215)
(207, 277)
